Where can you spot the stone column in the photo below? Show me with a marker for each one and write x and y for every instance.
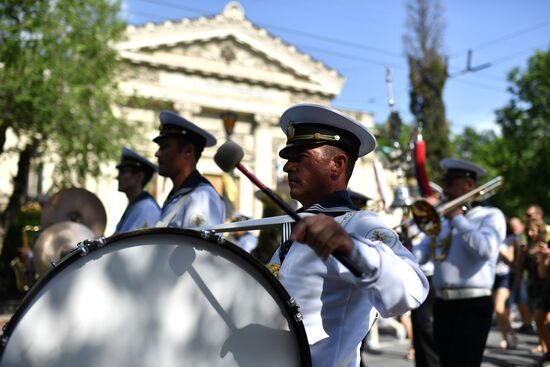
(263, 153)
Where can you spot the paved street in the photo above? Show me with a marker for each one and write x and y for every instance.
(392, 352)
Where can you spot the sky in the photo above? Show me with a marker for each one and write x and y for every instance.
(360, 38)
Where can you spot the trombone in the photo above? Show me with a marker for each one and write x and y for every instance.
(427, 217)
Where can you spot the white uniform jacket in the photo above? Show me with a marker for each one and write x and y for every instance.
(473, 251)
(143, 212)
(337, 307)
(195, 203)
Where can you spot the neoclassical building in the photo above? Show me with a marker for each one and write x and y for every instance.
(209, 68)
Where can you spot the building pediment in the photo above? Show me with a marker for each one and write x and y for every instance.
(228, 46)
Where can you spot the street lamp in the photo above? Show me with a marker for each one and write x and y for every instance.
(229, 120)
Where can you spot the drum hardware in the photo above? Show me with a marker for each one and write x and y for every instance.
(93, 243)
(229, 156)
(295, 307)
(212, 235)
(56, 241)
(83, 248)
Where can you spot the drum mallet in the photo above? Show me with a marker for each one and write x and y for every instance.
(229, 156)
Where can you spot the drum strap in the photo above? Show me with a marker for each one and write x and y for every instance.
(175, 210)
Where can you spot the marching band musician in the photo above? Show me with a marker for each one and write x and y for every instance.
(465, 256)
(134, 172)
(425, 354)
(244, 239)
(338, 308)
(193, 200)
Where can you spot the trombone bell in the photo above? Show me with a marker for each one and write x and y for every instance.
(426, 217)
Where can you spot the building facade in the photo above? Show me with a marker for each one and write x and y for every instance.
(209, 68)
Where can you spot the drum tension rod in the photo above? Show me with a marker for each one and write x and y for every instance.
(212, 235)
(207, 234)
(295, 309)
(4, 339)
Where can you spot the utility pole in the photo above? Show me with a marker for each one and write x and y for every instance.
(389, 86)
(469, 68)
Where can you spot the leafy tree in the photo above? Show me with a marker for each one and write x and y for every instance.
(523, 157)
(520, 153)
(58, 84)
(427, 74)
(480, 147)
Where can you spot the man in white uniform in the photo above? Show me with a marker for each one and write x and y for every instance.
(134, 172)
(193, 201)
(338, 308)
(465, 255)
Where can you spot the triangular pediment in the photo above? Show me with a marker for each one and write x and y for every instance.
(228, 46)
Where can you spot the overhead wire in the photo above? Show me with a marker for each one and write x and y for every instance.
(178, 6)
(512, 35)
(359, 46)
(503, 38)
(284, 29)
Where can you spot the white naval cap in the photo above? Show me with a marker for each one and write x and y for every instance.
(130, 158)
(171, 124)
(436, 188)
(461, 168)
(311, 124)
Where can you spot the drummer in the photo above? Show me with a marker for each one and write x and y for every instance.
(193, 201)
(338, 307)
(134, 172)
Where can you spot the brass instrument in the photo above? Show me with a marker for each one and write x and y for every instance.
(22, 264)
(427, 217)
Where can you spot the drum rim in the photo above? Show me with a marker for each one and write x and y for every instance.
(296, 326)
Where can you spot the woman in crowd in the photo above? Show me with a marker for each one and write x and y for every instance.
(503, 284)
(538, 289)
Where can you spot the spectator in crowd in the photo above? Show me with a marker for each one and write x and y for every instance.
(503, 284)
(538, 291)
(244, 239)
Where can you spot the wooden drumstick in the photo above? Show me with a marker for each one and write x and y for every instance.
(229, 156)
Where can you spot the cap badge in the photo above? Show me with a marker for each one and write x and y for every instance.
(290, 131)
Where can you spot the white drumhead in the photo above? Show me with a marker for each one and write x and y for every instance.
(155, 300)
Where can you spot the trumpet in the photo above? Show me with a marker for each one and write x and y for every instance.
(427, 217)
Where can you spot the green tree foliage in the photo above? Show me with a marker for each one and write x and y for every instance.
(386, 139)
(480, 147)
(427, 75)
(524, 153)
(58, 84)
(521, 152)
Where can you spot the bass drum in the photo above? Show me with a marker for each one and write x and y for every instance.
(156, 297)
